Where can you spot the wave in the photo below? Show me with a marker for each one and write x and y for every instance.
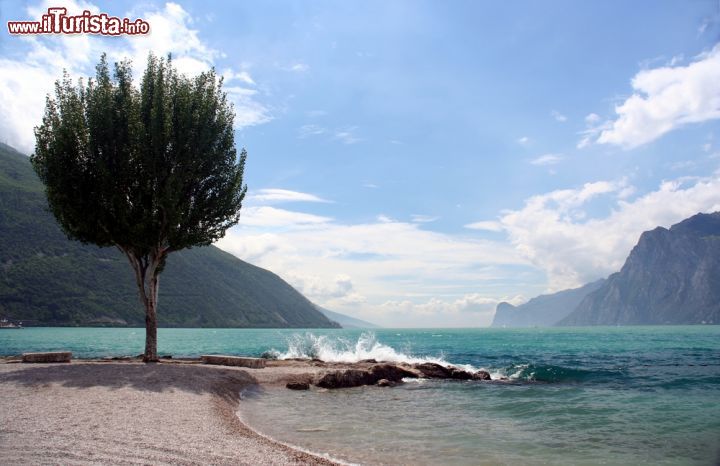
(367, 346)
(556, 374)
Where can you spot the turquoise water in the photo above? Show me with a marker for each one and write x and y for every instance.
(629, 395)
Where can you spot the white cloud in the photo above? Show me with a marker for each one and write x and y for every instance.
(26, 80)
(486, 225)
(593, 127)
(665, 99)
(703, 26)
(592, 118)
(283, 195)
(22, 100)
(347, 135)
(243, 76)
(344, 135)
(557, 233)
(266, 216)
(335, 291)
(419, 218)
(558, 116)
(547, 159)
(474, 310)
(248, 111)
(584, 142)
(399, 274)
(683, 165)
(676, 60)
(383, 260)
(306, 131)
(523, 141)
(299, 67)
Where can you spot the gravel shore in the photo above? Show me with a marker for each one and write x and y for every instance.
(133, 413)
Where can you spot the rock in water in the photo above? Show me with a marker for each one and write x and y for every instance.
(295, 385)
(459, 374)
(481, 375)
(391, 372)
(356, 377)
(432, 370)
(347, 378)
(387, 375)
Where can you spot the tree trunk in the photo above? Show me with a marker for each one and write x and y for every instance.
(151, 325)
(145, 269)
(151, 315)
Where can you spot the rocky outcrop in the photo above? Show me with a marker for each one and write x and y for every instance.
(432, 370)
(347, 378)
(543, 310)
(672, 276)
(391, 374)
(297, 385)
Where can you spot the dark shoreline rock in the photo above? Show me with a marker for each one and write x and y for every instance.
(432, 370)
(297, 385)
(346, 379)
(387, 375)
(481, 375)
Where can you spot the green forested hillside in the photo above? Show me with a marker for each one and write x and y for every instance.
(46, 279)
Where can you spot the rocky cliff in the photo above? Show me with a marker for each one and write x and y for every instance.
(672, 276)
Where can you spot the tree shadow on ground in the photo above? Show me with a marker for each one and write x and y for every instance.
(199, 379)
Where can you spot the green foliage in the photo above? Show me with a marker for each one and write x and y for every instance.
(151, 171)
(45, 279)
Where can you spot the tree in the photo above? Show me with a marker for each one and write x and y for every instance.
(150, 170)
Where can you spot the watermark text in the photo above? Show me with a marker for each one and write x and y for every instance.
(57, 21)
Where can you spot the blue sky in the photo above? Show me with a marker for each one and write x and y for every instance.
(414, 163)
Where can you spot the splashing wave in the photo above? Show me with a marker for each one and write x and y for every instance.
(329, 349)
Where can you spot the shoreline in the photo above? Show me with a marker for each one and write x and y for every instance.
(125, 412)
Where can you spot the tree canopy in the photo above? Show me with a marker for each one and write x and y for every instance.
(149, 170)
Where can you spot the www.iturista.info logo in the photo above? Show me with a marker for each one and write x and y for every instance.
(57, 21)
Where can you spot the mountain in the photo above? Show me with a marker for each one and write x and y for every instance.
(544, 310)
(46, 279)
(346, 321)
(672, 276)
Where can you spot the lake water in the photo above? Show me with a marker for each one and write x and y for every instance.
(621, 395)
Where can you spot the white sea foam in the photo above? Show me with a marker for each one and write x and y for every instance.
(329, 349)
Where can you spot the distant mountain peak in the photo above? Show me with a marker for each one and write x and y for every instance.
(544, 310)
(672, 276)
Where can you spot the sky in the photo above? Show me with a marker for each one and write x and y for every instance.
(413, 163)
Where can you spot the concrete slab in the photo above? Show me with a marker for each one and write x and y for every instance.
(53, 356)
(253, 363)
